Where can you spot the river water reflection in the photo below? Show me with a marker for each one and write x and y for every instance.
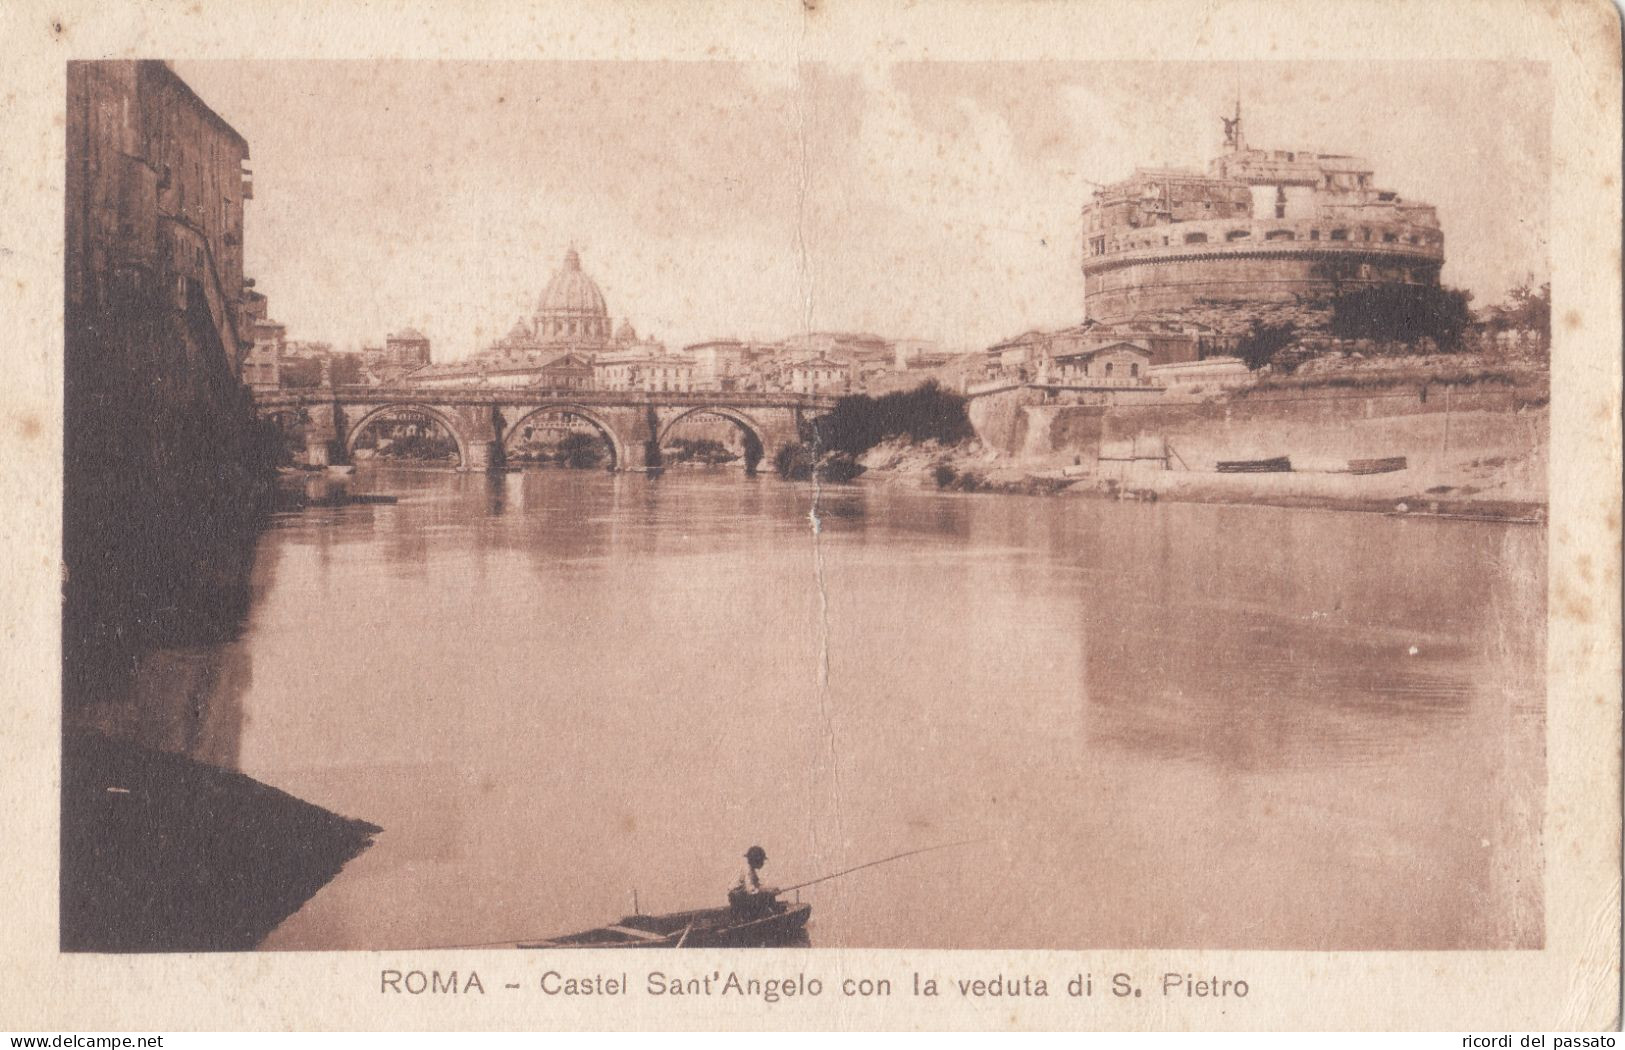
(1170, 725)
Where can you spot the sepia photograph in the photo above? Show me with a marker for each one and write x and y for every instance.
(629, 504)
(941, 515)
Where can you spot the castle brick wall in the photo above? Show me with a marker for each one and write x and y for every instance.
(1179, 286)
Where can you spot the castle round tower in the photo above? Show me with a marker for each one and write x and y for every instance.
(1261, 227)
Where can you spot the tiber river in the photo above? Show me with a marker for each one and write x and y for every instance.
(1166, 725)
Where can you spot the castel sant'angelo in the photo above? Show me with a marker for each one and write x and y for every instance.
(1264, 234)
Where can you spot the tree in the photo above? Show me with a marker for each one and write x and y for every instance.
(433, 445)
(697, 450)
(581, 451)
(1528, 308)
(1403, 313)
(301, 373)
(1263, 341)
(345, 369)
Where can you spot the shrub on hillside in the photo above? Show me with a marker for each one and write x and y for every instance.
(1263, 341)
(926, 413)
(796, 463)
(1405, 313)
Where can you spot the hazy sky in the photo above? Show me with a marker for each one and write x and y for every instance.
(931, 200)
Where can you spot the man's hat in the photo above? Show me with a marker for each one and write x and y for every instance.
(756, 853)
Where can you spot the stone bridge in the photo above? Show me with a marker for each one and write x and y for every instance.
(485, 422)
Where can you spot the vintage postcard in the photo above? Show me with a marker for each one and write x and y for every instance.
(812, 515)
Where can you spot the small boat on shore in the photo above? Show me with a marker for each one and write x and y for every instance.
(1377, 466)
(1280, 464)
(779, 926)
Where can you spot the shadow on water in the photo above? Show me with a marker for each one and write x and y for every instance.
(166, 854)
(1271, 659)
(163, 847)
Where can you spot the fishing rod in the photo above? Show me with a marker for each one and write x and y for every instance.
(883, 860)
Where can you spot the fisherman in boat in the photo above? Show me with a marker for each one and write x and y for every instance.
(748, 895)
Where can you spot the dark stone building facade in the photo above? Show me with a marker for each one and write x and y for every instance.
(164, 465)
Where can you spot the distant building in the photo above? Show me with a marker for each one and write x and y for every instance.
(724, 364)
(819, 375)
(567, 371)
(1116, 363)
(266, 345)
(262, 364)
(262, 370)
(408, 348)
(1163, 342)
(305, 349)
(830, 361)
(1024, 350)
(856, 347)
(404, 351)
(1279, 227)
(909, 354)
(1211, 372)
(570, 315)
(640, 369)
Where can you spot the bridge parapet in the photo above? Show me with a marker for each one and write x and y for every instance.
(536, 396)
(484, 421)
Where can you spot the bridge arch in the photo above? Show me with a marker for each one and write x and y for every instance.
(617, 449)
(754, 434)
(383, 412)
(732, 415)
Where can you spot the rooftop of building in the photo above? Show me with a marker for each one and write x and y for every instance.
(1240, 164)
(1120, 346)
(487, 366)
(161, 70)
(1140, 327)
(850, 338)
(641, 352)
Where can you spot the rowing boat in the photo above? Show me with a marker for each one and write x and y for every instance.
(1386, 465)
(774, 924)
(1254, 466)
(780, 925)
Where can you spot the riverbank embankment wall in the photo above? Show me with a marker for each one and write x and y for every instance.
(1438, 427)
